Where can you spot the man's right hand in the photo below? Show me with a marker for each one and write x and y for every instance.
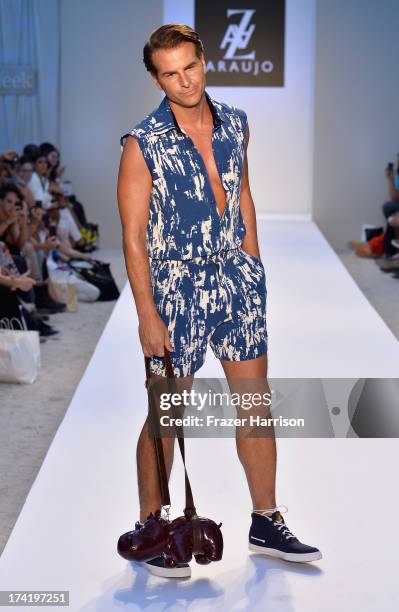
(154, 335)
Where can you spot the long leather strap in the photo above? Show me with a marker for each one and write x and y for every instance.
(190, 510)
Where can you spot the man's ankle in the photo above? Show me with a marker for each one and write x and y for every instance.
(144, 514)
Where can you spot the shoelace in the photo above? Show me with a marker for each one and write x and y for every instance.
(279, 524)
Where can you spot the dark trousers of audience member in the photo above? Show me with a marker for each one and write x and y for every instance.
(389, 208)
(12, 309)
(9, 305)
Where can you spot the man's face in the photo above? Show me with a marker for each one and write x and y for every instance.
(181, 74)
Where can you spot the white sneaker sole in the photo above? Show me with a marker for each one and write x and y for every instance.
(297, 557)
(164, 572)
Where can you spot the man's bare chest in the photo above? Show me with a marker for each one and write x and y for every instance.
(203, 143)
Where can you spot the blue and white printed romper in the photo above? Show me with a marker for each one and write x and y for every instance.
(206, 288)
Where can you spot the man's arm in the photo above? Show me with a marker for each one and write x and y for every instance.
(134, 191)
(250, 242)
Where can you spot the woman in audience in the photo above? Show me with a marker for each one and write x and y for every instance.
(22, 178)
(55, 172)
(14, 231)
(44, 191)
(40, 227)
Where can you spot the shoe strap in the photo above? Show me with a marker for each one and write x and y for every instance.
(189, 510)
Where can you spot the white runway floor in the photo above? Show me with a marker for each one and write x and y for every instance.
(341, 494)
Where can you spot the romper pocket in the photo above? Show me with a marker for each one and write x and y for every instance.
(255, 262)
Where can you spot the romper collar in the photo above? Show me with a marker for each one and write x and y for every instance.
(164, 120)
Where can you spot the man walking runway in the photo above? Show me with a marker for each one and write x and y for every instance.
(193, 262)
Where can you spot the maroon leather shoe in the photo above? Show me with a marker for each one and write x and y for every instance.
(147, 541)
(206, 545)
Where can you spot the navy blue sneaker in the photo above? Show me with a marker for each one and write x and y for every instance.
(270, 535)
(165, 568)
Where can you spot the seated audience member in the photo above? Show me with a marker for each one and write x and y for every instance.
(384, 244)
(22, 178)
(39, 235)
(4, 174)
(14, 226)
(13, 218)
(17, 290)
(44, 191)
(8, 161)
(52, 154)
(390, 209)
(18, 172)
(15, 233)
(54, 174)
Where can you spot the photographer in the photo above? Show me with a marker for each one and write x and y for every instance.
(41, 236)
(14, 226)
(13, 218)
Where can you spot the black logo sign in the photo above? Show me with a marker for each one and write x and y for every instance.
(243, 41)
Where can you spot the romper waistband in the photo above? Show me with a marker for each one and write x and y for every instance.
(204, 259)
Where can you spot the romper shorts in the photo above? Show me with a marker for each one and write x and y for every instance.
(219, 298)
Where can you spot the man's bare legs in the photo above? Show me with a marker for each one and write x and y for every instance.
(258, 455)
(147, 473)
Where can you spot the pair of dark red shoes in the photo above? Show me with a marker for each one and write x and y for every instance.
(166, 548)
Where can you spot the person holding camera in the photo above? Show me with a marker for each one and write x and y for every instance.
(386, 242)
(18, 171)
(44, 191)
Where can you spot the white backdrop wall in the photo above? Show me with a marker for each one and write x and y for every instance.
(356, 113)
(105, 90)
(280, 118)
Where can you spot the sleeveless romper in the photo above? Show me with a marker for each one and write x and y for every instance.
(206, 288)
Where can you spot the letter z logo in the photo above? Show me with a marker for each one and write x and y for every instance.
(238, 35)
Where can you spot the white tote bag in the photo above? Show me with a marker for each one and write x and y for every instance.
(19, 353)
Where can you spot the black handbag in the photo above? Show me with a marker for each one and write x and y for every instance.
(184, 537)
(99, 275)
